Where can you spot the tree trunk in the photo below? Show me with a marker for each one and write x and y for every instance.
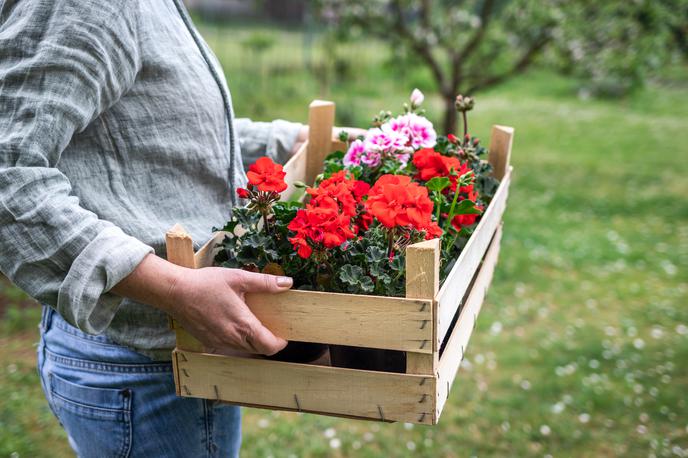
(450, 114)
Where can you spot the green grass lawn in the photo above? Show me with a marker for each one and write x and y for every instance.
(582, 346)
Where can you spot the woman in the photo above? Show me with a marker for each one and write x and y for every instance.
(116, 123)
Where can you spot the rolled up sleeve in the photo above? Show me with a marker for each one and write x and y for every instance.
(62, 63)
(274, 139)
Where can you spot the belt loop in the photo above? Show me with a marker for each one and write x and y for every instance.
(46, 317)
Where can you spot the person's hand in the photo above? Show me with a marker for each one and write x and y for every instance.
(209, 304)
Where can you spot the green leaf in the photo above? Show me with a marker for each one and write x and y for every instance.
(337, 155)
(375, 254)
(351, 275)
(438, 184)
(367, 284)
(465, 207)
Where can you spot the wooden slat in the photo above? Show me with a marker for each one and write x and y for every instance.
(206, 254)
(180, 251)
(186, 341)
(346, 319)
(337, 146)
(309, 388)
(500, 150)
(456, 283)
(180, 247)
(320, 123)
(296, 171)
(423, 282)
(458, 341)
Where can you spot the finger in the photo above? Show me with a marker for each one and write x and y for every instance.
(261, 340)
(251, 282)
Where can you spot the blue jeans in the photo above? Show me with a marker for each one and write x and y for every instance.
(115, 402)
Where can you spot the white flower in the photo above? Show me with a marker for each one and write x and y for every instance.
(417, 98)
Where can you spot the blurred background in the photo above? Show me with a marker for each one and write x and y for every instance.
(582, 345)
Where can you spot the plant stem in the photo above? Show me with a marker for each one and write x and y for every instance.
(447, 224)
(265, 222)
(465, 124)
(390, 235)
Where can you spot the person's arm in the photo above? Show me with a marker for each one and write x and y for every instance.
(276, 139)
(62, 63)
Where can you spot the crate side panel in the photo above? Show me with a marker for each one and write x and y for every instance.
(458, 341)
(302, 387)
(347, 319)
(458, 280)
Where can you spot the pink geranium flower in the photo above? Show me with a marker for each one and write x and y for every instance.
(417, 130)
(384, 141)
(354, 155)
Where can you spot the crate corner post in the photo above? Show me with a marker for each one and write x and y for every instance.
(180, 251)
(501, 141)
(320, 124)
(422, 282)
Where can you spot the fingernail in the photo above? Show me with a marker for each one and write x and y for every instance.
(284, 282)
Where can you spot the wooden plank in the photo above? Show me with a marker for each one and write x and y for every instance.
(346, 319)
(320, 123)
(180, 247)
(338, 146)
(302, 387)
(458, 341)
(456, 283)
(206, 254)
(423, 282)
(296, 171)
(180, 251)
(186, 341)
(175, 372)
(500, 150)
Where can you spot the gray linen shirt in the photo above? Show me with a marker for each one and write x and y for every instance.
(115, 124)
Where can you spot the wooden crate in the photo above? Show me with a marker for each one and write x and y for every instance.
(432, 324)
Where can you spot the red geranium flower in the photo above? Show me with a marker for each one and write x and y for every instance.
(267, 176)
(431, 164)
(396, 201)
(339, 190)
(242, 193)
(319, 228)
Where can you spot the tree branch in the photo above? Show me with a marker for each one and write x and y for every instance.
(519, 66)
(423, 51)
(458, 57)
(485, 16)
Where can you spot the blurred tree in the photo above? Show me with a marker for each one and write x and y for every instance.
(472, 45)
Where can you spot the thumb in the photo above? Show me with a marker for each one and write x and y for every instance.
(250, 282)
(262, 340)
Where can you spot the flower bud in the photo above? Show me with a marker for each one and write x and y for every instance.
(464, 103)
(452, 139)
(417, 98)
(242, 193)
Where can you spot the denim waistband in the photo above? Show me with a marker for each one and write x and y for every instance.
(67, 345)
(97, 366)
